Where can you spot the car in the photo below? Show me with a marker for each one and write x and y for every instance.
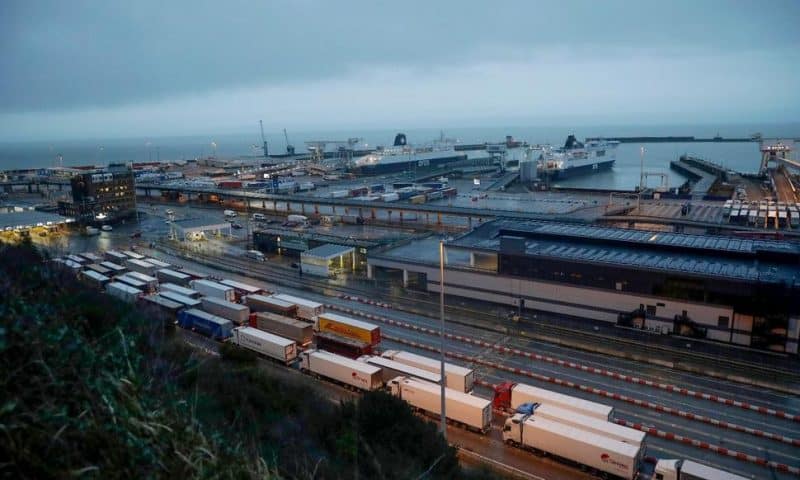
(236, 226)
(169, 211)
(295, 265)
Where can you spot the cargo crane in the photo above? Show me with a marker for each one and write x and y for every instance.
(263, 140)
(289, 146)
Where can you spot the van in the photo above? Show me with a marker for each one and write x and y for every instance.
(229, 213)
(259, 216)
(256, 255)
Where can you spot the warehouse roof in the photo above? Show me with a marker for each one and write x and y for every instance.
(200, 224)
(328, 251)
(30, 218)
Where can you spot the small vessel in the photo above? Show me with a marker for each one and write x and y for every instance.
(403, 157)
(576, 158)
(106, 228)
(91, 231)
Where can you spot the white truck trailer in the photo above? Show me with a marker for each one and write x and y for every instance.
(140, 266)
(455, 376)
(512, 395)
(473, 412)
(186, 292)
(123, 292)
(158, 263)
(151, 282)
(167, 275)
(267, 344)
(306, 309)
(187, 302)
(341, 370)
(670, 469)
(131, 281)
(213, 289)
(235, 312)
(591, 424)
(391, 369)
(573, 445)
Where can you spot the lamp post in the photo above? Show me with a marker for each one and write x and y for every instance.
(441, 335)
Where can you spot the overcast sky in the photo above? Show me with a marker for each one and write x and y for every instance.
(77, 69)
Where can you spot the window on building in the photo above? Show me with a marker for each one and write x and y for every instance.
(722, 322)
(651, 310)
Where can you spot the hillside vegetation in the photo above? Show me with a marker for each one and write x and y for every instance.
(94, 388)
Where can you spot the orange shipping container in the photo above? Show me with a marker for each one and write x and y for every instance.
(349, 328)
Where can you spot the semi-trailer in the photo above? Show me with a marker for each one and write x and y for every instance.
(94, 279)
(166, 275)
(76, 259)
(263, 303)
(241, 289)
(149, 281)
(91, 257)
(475, 413)
(99, 269)
(341, 370)
(207, 324)
(194, 274)
(235, 312)
(132, 254)
(584, 422)
(349, 328)
(187, 302)
(455, 376)
(115, 268)
(267, 344)
(306, 309)
(136, 265)
(158, 263)
(671, 469)
(186, 292)
(291, 328)
(601, 454)
(169, 307)
(122, 291)
(509, 395)
(391, 369)
(213, 289)
(133, 282)
(299, 219)
(116, 257)
(339, 345)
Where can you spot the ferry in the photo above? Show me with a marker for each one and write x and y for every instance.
(576, 158)
(403, 157)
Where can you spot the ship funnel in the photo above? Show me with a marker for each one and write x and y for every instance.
(572, 142)
(400, 140)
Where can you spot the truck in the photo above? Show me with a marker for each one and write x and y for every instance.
(306, 309)
(672, 469)
(267, 344)
(116, 257)
(134, 255)
(194, 274)
(291, 328)
(133, 282)
(166, 275)
(509, 395)
(123, 292)
(263, 303)
(95, 279)
(229, 213)
(341, 370)
(600, 454)
(186, 292)
(150, 282)
(187, 302)
(96, 267)
(349, 327)
(235, 312)
(213, 289)
(391, 369)
(207, 324)
(455, 376)
(346, 347)
(259, 217)
(584, 422)
(241, 289)
(352, 220)
(158, 263)
(297, 219)
(474, 413)
(168, 307)
(340, 194)
(115, 268)
(91, 257)
(136, 265)
(417, 199)
(390, 197)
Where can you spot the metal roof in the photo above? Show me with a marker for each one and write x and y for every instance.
(200, 224)
(30, 219)
(328, 251)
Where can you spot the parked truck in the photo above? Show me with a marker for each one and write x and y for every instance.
(267, 344)
(475, 413)
(346, 347)
(671, 469)
(235, 312)
(95, 279)
(291, 328)
(186, 292)
(116, 257)
(132, 282)
(213, 289)
(123, 292)
(241, 289)
(207, 324)
(157, 263)
(585, 422)
(455, 376)
(297, 219)
(150, 282)
(136, 265)
(509, 395)
(115, 268)
(306, 309)
(187, 302)
(391, 369)
(166, 275)
(341, 370)
(603, 455)
(263, 303)
(349, 327)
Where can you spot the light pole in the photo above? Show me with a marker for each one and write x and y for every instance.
(441, 335)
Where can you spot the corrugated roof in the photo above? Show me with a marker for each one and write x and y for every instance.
(328, 251)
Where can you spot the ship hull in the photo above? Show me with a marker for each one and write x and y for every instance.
(394, 167)
(583, 170)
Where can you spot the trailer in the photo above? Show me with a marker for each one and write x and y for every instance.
(341, 370)
(473, 412)
(391, 369)
(166, 275)
(417, 199)
(133, 282)
(95, 267)
(585, 422)
(306, 309)
(262, 303)
(116, 257)
(349, 327)
(509, 395)
(186, 292)
(241, 289)
(94, 279)
(346, 347)
(183, 300)
(267, 344)
(291, 328)
(194, 274)
(91, 257)
(123, 292)
(213, 289)
(455, 376)
(671, 469)
(151, 282)
(114, 268)
(141, 266)
(390, 197)
(168, 307)
(158, 263)
(235, 312)
(207, 324)
(601, 454)
(76, 259)
(132, 254)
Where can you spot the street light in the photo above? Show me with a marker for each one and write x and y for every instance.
(441, 335)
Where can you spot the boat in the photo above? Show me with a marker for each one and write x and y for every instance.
(403, 157)
(576, 158)
(91, 231)
(106, 228)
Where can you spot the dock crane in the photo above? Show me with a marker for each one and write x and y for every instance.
(289, 146)
(263, 140)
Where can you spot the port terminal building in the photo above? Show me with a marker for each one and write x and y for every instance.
(732, 290)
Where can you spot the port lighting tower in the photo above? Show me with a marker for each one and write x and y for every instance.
(263, 139)
(441, 336)
(641, 168)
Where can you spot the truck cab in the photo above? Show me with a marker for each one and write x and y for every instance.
(230, 213)
(667, 469)
(512, 429)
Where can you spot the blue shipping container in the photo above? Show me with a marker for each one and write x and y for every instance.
(209, 325)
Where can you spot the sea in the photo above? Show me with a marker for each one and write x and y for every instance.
(743, 157)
